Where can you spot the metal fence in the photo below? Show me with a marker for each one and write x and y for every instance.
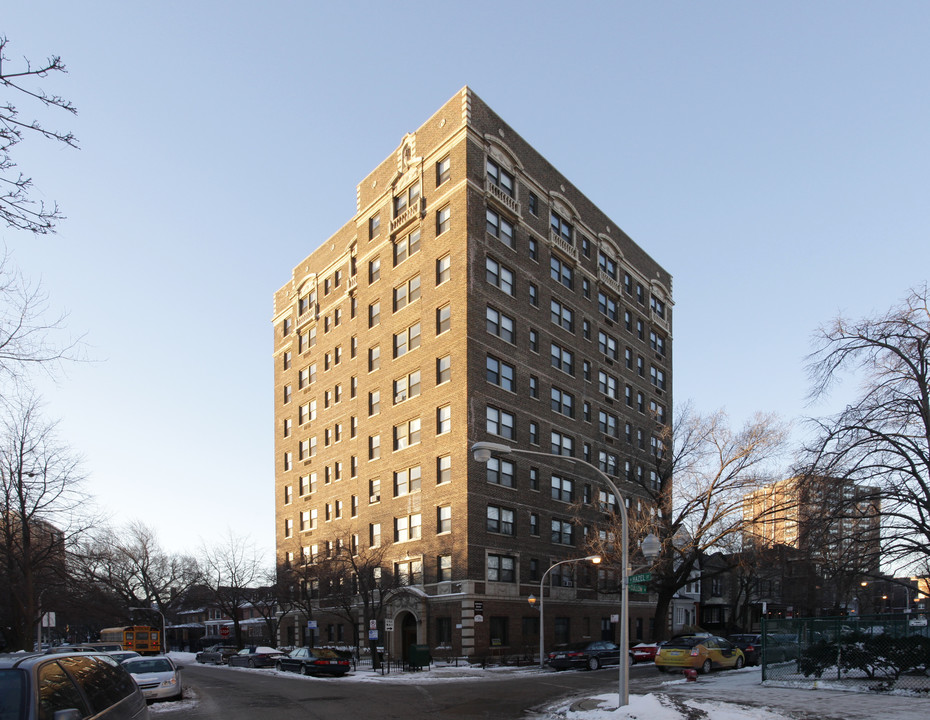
(877, 653)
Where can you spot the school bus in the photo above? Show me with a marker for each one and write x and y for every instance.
(143, 639)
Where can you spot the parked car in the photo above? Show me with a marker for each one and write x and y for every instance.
(158, 677)
(254, 657)
(68, 686)
(590, 654)
(313, 661)
(777, 648)
(216, 654)
(700, 652)
(644, 652)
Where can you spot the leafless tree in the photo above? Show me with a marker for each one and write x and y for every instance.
(882, 439)
(17, 208)
(694, 501)
(232, 568)
(43, 510)
(25, 333)
(130, 563)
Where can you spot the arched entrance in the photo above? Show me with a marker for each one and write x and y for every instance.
(406, 622)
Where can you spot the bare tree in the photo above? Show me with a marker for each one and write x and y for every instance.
(694, 499)
(17, 208)
(131, 564)
(232, 569)
(882, 439)
(42, 511)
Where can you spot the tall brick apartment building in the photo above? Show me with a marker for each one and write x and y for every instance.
(475, 295)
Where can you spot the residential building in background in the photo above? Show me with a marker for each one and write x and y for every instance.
(475, 295)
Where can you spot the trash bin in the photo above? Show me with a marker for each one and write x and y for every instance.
(418, 656)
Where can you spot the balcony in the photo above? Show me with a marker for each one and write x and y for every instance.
(659, 320)
(562, 244)
(610, 282)
(503, 198)
(413, 212)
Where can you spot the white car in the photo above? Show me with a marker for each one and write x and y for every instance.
(157, 677)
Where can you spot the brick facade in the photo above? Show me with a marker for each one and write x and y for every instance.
(356, 298)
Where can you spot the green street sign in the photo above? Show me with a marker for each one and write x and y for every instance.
(641, 578)
(637, 588)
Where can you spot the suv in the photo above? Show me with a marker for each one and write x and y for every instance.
(68, 686)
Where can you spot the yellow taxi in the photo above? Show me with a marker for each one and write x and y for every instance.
(698, 652)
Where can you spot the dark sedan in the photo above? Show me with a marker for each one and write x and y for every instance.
(777, 648)
(255, 657)
(313, 661)
(591, 655)
(216, 654)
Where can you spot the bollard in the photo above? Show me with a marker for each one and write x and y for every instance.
(691, 675)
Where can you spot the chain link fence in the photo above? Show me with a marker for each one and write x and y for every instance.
(877, 653)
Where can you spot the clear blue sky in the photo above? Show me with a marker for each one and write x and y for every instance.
(774, 157)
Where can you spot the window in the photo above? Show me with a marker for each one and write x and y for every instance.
(500, 177)
(657, 376)
(407, 481)
(500, 520)
(561, 273)
(287, 427)
(407, 528)
(374, 358)
(407, 293)
(288, 527)
(502, 568)
(286, 326)
(534, 204)
(443, 170)
(534, 295)
(562, 444)
(607, 264)
(374, 447)
(374, 314)
(607, 306)
(534, 433)
(607, 384)
(443, 469)
(500, 472)
(374, 226)
(287, 394)
(288, 460)
(499, 276)
(534, 524)
(443, 219)
(444, 519)
(408, 198)
(640, 366)
(500, 227)
(608, 424)
(443, 419)
(563, 489)
(561, 315)
(500, 373)
(443, 269)
(562, 532)
(561, 227)
(534, 387)
(658, 411)
(286, 361)
(500, 325)
(533, 248)
(407, 340)
(374, 491)
(562, 402)
(305, 485)
(500, 422)
(657, 343)
(443, 319)
(443, 369)
(406, 246)
(407, 434)
(443, 574)
(374, 402)
(534, 479)
(288, 494)
(407, 387)
(409, 572)
(374, 535)
(607, 344)
(563, 359)
(534, 341)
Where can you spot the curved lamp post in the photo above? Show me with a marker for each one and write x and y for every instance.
(595, 559)
(482, 452)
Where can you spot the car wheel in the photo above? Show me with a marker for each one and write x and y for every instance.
(594, 663)
(251, 663)
(277, 667)
(218, 661)
(304, 670)
(662, 668)
(705, 668)
(632, 661)
(739, 662)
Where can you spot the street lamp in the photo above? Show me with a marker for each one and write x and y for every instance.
(595, 559)
(482, 452)
(164, 640)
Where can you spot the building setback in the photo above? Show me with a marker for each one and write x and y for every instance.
(475, 295)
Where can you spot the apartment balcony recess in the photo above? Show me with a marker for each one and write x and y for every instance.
(562, 244)
(309, 316)
(496, 192)
(352, 284)
(610, 282)
(659, 320)
(413, 212)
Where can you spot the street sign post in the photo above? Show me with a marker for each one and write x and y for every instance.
(639, 579)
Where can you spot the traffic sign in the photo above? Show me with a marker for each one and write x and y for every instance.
(637, 588)
(641, 578)
(224, 631)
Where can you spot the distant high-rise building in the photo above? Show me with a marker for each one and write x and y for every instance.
(475, 295)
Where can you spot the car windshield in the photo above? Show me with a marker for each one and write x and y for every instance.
(325, 653)
(12, 694)
(155, 665)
